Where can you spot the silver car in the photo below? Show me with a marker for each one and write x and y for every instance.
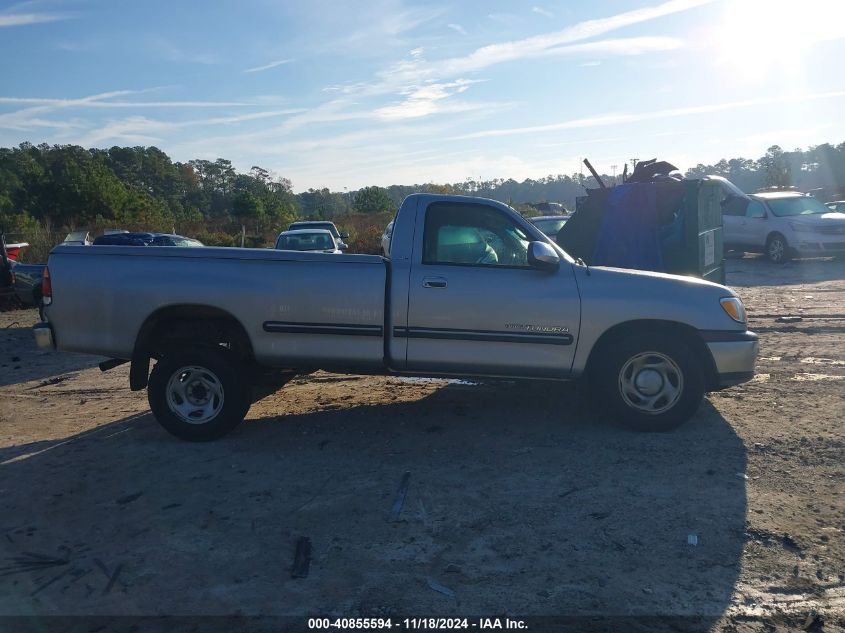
(550, 224)
(385, 239)
(314, 240)
(323, 225)
(782, 225)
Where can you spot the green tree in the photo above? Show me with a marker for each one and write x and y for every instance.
(372, 200)
(777, 169)
(247, 207)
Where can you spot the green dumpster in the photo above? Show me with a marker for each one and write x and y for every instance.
(696, 250)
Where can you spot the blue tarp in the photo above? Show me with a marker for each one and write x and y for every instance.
(628, 237)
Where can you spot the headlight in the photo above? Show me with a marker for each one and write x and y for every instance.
(801, 228)
(734, 308)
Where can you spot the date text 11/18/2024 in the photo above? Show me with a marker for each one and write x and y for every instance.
(417, 623)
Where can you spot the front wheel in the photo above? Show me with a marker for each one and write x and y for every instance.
(197, 393)
(777, 250)
(650, 382)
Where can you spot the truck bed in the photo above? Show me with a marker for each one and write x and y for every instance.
(99, 290)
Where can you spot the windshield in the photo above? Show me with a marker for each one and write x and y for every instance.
(803, 205)
(550, 226)
(186, 241)
(306, 242)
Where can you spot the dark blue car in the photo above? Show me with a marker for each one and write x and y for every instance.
(145, 239)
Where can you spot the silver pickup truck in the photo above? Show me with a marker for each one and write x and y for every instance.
(471, 288)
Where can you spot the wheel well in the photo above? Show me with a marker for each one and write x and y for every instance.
(779, 234)
(185, 324)
(683, 332)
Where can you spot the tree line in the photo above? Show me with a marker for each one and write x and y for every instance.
(52, 189)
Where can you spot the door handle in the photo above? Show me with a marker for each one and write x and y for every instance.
(434, 282)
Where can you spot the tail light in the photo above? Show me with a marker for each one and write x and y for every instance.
(46, 288)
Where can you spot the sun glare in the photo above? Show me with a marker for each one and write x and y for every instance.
(765, 37)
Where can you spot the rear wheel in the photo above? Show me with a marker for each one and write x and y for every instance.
(777, 250)
(197, 393)
(649, 382)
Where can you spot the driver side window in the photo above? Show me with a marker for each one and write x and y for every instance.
(472, 235)
(755, 210)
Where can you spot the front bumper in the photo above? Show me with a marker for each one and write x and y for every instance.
(44, 338)
(734, 356)
(820, 245)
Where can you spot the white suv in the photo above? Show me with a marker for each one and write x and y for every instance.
(784, 224)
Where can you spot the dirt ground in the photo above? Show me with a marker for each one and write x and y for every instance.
(520, 500)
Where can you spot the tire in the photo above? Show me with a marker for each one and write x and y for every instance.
(198, 393)
(777, 249)
(649, 382)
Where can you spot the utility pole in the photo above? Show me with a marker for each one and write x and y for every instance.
(613, 170)
(634, 162)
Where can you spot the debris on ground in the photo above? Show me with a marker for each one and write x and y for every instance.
(301, 558)
(399, 502)
(436, 586)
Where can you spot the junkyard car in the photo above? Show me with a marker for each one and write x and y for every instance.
(28, 279)
(315, 241)
(145, 239)
(323, 225)
(550, 224)
(782, 225)
(224, 325)
(385, 239)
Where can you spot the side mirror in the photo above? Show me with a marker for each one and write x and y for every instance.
(541, 255)
(342, 246)
(344, 236)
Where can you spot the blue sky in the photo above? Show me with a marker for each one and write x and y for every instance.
(347, 94)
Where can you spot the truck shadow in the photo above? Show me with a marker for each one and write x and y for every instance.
(517, 501)
(21, 361)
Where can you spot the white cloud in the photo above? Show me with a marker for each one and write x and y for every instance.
(32, 116)
(429, 99)
(563, 42)
(538, 45)
(274, 64)
(541, 11)
(386, 23)
(25, 19)
(457, 28)
(99, 101)
(621, 47)
(140, 128)
(621, 118)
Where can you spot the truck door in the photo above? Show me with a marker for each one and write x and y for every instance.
(475, 304)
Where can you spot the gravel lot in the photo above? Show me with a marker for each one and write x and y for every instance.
(519, 500)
